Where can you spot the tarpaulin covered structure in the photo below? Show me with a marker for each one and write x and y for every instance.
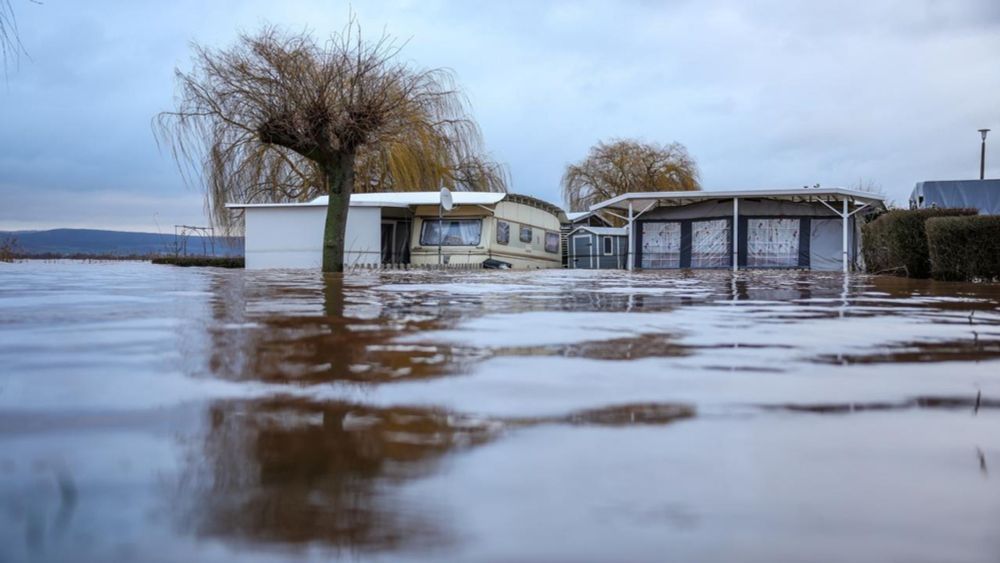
(805, 228)
(983, 195)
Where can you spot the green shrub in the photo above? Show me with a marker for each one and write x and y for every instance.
(896, 242)
(202, 261)
(964, 248)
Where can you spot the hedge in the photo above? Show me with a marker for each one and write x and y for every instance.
(202, 261)
(964, 248)
(896, 242)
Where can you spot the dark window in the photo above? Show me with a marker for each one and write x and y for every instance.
(607, 246)
(451, 232)
(503, 232)
(525, 234)
(552, 242)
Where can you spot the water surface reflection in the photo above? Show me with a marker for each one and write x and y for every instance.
(156, 413)
(289, 471)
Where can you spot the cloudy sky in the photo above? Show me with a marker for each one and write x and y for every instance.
(763, 94)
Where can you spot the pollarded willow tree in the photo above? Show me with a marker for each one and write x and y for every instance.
(623, 166)
(280, 117)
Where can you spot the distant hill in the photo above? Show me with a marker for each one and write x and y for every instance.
(93, 242)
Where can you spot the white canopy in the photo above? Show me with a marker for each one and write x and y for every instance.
(394, 199)
(642, 200)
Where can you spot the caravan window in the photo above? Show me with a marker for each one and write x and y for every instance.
(451, 232)
(552, 242)
(503, 232)
(608, 245)
(525, 233)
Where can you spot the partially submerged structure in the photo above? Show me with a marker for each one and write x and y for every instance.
(983, 195)
(597, 248)
(572, 221)
(408, 228)
(806, 228)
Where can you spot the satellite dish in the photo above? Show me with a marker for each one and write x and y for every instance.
(447, 203)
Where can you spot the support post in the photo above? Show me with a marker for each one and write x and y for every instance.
(631, 239)
(736, 234)
(982, 159)
(844, 217)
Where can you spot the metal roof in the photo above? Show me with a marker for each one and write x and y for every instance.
(641, 200)
(983, 195)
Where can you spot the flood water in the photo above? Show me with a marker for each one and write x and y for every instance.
(151, 413)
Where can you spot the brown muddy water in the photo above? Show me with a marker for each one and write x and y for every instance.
(151, 413)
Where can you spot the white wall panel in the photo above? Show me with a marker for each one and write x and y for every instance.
(292, 237)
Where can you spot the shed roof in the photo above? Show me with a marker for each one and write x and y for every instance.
(642, 200)
(577, 216)
(983, 195)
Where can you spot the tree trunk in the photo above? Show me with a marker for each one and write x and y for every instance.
(338, 174)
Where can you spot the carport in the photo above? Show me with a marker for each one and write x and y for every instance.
(786, 228)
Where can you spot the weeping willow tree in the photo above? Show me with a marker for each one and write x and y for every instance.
(624, 166)
(280, 117)
(10, 41)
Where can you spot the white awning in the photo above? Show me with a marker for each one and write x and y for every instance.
(394, 199)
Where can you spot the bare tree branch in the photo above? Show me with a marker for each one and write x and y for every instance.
(11, 47)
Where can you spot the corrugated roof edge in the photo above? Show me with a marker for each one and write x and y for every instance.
(537, 203)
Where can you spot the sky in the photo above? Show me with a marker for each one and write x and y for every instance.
(764, 94)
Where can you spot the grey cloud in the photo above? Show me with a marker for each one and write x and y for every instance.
(764, 94)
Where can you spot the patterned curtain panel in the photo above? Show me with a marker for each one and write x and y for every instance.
(661, 245)
(710, 244)
(773, 243)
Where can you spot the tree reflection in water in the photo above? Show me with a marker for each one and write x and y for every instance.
(290, 471)
(316, 329)
(283, 471)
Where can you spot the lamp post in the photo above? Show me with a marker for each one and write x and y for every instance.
(982, 154)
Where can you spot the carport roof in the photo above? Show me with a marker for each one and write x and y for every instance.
(643, 200)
